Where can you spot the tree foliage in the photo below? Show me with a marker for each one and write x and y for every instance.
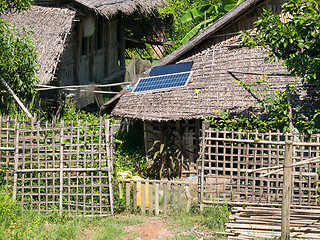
(295, 40)
(17, 57)
(208, 14)
(191, 17)
(177, 8)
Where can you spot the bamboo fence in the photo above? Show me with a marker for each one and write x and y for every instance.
(229, 160)
(57, 166)
(157, 196)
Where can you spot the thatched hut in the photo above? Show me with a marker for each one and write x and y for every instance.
(218, 60)
(80, 41)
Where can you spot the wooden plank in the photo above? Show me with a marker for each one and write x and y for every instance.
(179, 195)
(127, 195)
(188, 196)
(171, 195)
(157, 199)
(143, 198)
(135, 195)
(150, 198)
(165, 197)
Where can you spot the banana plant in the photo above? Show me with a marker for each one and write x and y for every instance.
(167, 159)
(210, 13)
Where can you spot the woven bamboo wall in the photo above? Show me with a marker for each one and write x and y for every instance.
(230, 157)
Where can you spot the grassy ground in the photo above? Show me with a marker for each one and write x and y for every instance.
(16, 223)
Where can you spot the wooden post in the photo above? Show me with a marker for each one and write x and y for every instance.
(286, 194)
(143, 197)
(205, 126)
(157, 199)
(128, 195)
(165, 196)
(179, 195)
(135, 196)
(188, 196)
(150, 199)
(120, 190)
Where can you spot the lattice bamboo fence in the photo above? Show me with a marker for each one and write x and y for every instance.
(228, 159)
(7, 139)
(63, 167)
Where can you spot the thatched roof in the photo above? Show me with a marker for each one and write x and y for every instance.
(50, 26)
(212, 59)
(109, 8)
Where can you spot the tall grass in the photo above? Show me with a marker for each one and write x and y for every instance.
(19, 224)
(212, 218)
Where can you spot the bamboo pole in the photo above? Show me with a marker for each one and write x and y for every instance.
(16, 161)
(205, 126)
(61, 169)
(15, 97)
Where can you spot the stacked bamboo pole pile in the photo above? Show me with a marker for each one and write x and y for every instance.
(265, 222)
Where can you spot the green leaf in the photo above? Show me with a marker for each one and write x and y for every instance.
(161, 148)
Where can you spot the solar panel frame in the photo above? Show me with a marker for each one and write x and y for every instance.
(171, 69)
(140, 87)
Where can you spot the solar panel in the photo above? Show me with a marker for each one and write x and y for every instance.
(170, 69)
(162, 82)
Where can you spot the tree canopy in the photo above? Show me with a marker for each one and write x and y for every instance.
(17, 57)
(293, 36)
(191, 17)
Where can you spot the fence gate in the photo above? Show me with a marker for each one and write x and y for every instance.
(64, 167)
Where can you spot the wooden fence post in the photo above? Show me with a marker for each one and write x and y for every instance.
(286, 192)
(205, 126)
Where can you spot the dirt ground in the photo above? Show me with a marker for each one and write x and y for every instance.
(152, 228)
(158, 228)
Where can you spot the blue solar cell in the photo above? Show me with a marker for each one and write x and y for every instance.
(162, 82)
(170, 69)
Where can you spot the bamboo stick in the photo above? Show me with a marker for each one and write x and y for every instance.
(15, 97)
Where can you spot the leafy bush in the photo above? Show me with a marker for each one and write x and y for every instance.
(272, 114)
(130, 152)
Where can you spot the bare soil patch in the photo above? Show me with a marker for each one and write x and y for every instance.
(151, 228)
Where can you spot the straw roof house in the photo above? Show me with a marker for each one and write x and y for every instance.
(219, 62)
(80, 41)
